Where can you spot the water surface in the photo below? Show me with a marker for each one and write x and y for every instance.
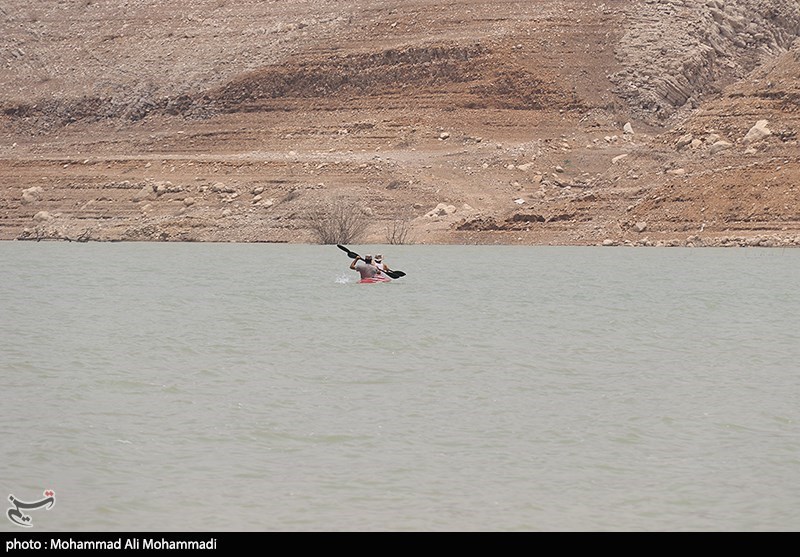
(195, 387)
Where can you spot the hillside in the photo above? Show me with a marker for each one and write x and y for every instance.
(645, 122)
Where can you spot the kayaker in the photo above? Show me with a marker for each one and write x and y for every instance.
(365, 267)
(379, 263)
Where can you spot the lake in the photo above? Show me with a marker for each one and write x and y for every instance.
(259, 387)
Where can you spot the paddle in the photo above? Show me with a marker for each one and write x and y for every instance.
(354, 255)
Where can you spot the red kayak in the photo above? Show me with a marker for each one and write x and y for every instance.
(375, 279)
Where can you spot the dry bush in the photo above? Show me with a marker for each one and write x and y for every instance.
(397, 231)
(341, 221)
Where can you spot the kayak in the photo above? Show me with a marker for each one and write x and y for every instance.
(375, 279)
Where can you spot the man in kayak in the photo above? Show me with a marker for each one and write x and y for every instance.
(365, 267)
(380, 264)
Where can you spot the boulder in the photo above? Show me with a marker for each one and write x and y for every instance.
(441, 210)
(720, 146)
(757, 132)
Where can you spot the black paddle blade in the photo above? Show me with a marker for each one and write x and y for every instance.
(395, 274)
(350, 254)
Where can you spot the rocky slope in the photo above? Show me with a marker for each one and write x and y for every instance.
(555, 122)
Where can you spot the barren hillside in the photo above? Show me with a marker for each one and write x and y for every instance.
(648, 122)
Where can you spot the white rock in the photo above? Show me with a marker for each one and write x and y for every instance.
(441, 210)
(757, 132)
(31, 194)
(720, 146)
